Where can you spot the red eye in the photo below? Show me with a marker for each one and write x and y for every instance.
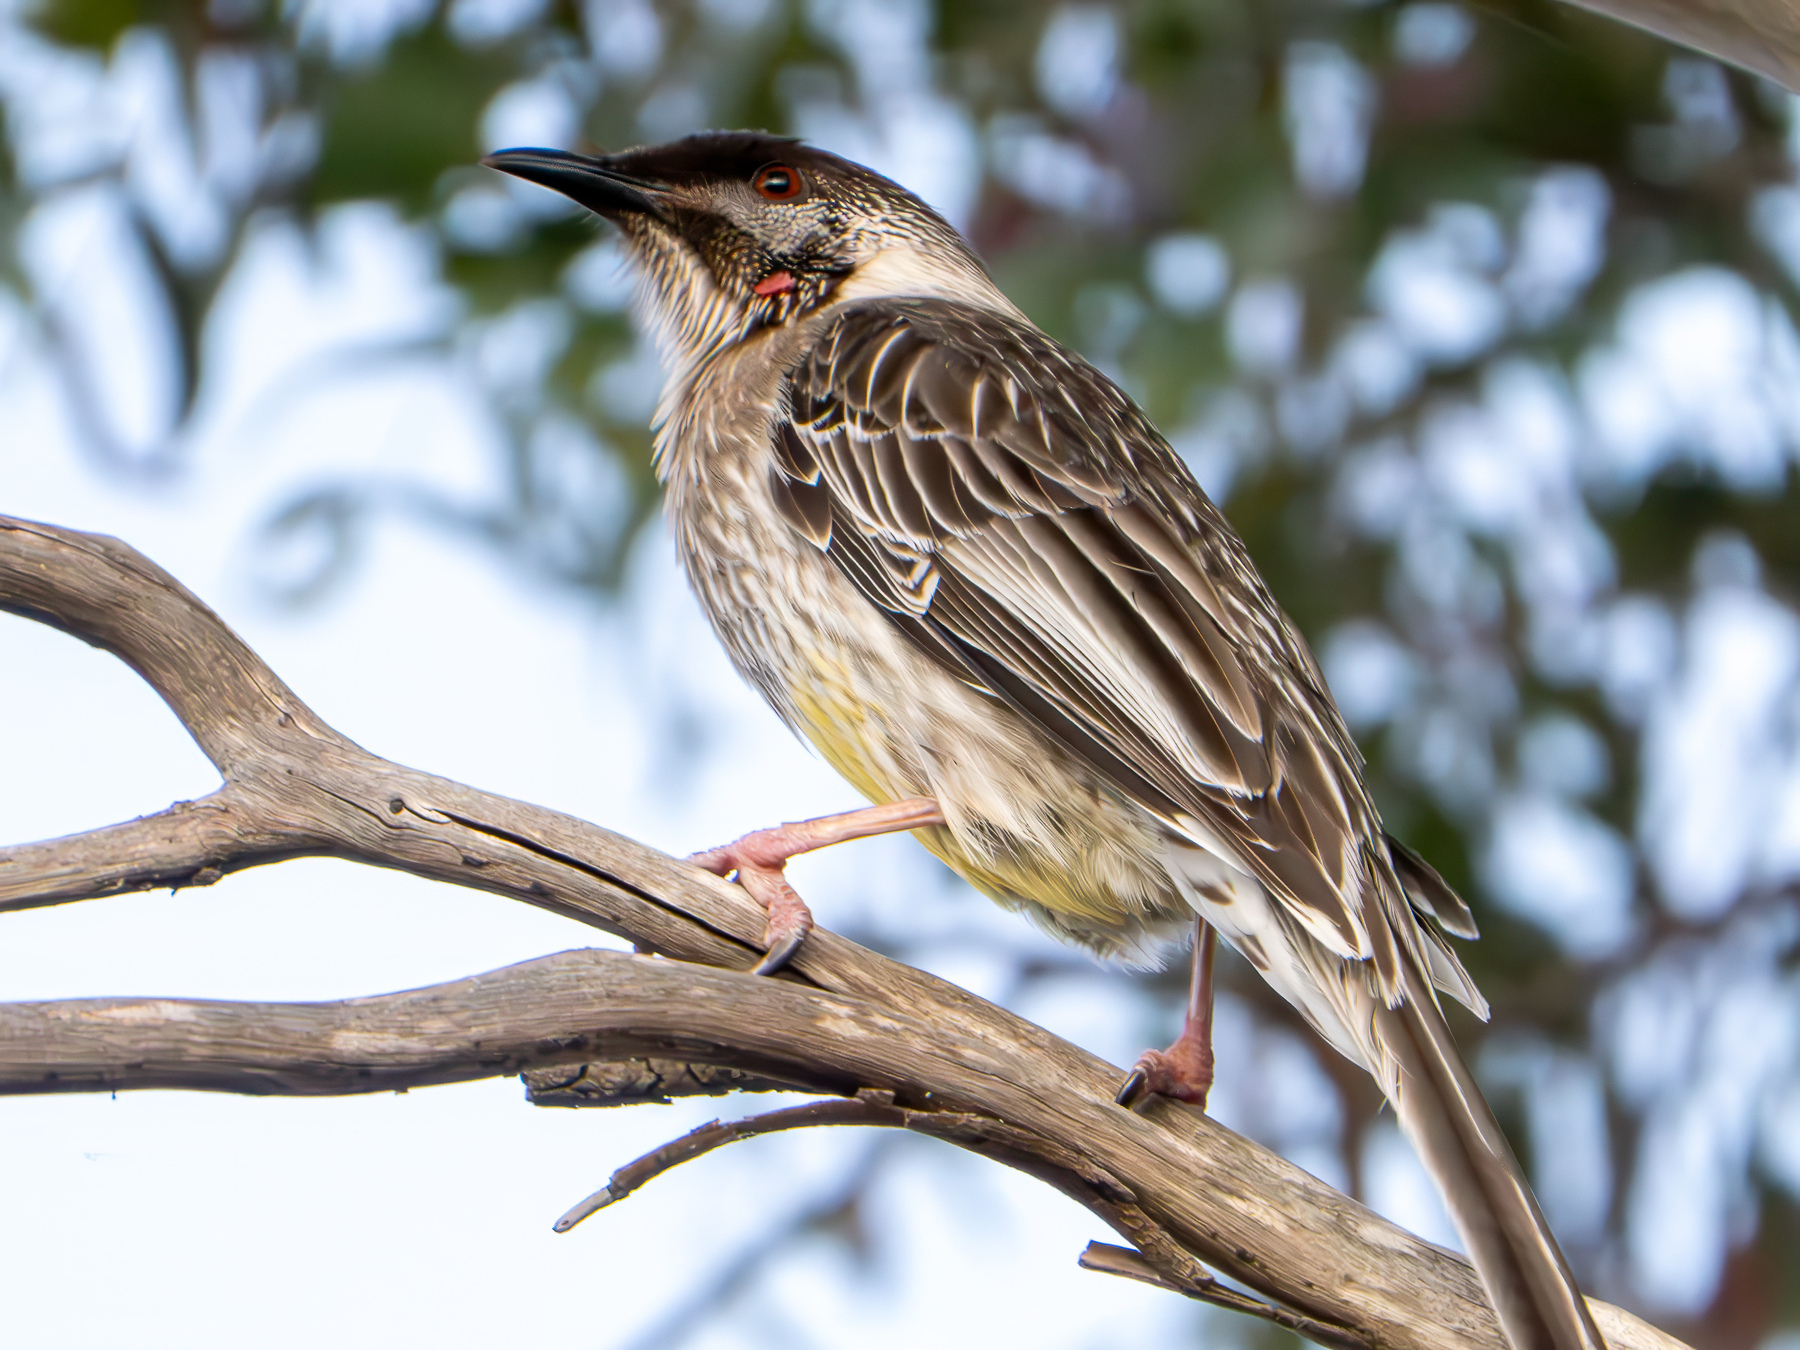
(778, 182)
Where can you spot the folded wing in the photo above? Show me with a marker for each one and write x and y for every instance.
(1023, 523)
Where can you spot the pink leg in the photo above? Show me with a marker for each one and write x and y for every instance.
(1185, 1070)
(759, 857)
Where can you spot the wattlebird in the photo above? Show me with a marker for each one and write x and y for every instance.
(963, 564)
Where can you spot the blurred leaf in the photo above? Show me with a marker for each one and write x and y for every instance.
(98, 23)
(392, 130)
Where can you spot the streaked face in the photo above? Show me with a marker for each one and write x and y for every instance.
(774, 237)
(737, 231)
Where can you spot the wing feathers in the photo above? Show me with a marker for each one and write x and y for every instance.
(945, 492)
(900, 495)
(1430, 893)
(1185, 630)
(802, 499)
(984, 485)
(1024, 525)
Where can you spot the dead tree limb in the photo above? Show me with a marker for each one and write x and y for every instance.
(842, 1020)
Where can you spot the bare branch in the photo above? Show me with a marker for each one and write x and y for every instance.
(1182, 1189)
(1203, 1288)
(189, 844)
(866, 1108)
(1159, 1262)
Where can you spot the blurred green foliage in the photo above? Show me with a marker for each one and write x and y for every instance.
(393, 130)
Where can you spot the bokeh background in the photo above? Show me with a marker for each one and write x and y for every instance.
(1477, 318)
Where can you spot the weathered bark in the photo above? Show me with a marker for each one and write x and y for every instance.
(841, 1020)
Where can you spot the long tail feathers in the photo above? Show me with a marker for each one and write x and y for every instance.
(1443, 1113)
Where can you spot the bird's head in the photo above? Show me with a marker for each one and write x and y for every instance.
(739, 231)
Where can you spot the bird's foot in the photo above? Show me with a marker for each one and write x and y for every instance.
(760, 857)
(759, 862)
(1184, 1071)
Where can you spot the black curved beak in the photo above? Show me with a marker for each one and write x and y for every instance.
(588, 181)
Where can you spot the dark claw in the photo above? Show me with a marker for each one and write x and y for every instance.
(1133, 1089)
(781, 953)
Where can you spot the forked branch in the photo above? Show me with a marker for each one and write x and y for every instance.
(841, 1020)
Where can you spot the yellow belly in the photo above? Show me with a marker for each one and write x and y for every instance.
(1037, 837)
